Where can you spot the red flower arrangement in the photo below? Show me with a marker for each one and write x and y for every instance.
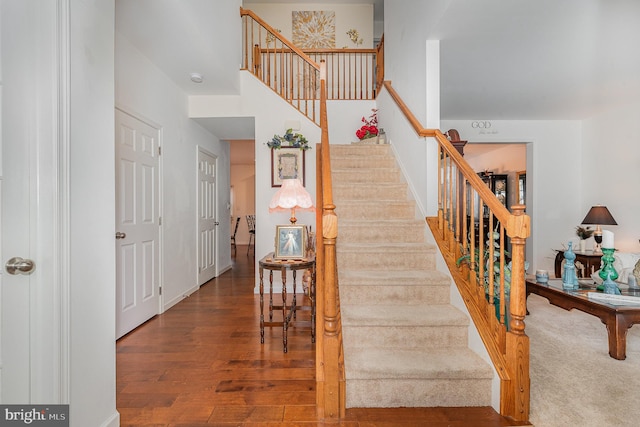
(370, 127)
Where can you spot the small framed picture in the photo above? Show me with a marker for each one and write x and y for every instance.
(291, 242)
(286, 163)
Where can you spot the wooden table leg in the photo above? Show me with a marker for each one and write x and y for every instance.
(312, 297)
(261, 307)
(617, 327)
(293, 304)
(270, 295)
(285, 323)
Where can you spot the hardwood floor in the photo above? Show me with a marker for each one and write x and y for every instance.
(201, 364)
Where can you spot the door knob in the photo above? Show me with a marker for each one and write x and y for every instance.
(17, 265)
(216, 223)
(120, 235)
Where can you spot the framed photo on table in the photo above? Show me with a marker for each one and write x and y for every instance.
(286, 163)
(291, 242)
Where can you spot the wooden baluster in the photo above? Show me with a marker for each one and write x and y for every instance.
(256, 61)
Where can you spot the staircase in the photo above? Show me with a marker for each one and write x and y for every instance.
(404, 344)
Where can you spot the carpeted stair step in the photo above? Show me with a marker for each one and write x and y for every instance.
(366, 175)
(392, 256)
(360, 151)
(375, 287)
(368, 191)
(412, 327)
(367, 162)
(366, 210)
(389, 378)
(381, 231)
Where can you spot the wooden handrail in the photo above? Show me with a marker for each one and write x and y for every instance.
(380, 64)
(330, 378)
(415, 123)
(275, 33)
(455, 232)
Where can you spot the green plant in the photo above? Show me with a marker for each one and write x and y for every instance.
(583, 232)
(289, 139)
(492, 265)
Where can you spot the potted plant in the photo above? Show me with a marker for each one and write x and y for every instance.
(289, 139)
(492, 266)
(583, 233)
(370, 128)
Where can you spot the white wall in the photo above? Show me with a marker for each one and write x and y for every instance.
(92, 217)
(271, 113)
(348, 16)
(406, 25)
(345, 118)
(409, 148)
(610, 164)
(142, 90)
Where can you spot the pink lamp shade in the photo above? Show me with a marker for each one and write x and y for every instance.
(291, 196)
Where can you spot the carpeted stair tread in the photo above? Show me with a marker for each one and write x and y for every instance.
(388, 247)
(416, 364)
(404, 278)
(407, 315)
(382, 230)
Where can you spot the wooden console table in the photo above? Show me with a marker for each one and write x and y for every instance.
(617, 318)
(590, 261)
(288, 310)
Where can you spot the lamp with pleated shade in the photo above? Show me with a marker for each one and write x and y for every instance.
(291, 196)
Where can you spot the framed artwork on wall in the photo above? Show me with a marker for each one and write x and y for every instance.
(286, 163)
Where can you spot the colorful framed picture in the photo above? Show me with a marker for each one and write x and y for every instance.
(286, 163)
(291, 242)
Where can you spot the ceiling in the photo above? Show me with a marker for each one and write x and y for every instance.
(500, 59)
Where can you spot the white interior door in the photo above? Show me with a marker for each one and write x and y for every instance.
(31, 323)
(137, 222)
(207, 219)
(14, 202)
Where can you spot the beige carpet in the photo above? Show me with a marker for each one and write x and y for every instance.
(574, 382)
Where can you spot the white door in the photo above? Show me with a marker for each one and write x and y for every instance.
(137, 222)
(207, 220)
(14, 189)
(30, 307)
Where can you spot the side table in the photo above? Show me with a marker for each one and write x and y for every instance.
(588, 259)
(288, 310)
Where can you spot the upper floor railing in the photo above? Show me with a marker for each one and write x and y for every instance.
(280, 65)
(293, 73)
(474, 231)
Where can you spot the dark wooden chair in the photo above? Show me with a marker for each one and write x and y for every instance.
(251, 223)
(233, 236)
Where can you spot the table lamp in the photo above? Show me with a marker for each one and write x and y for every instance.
(291, 196)
(598, 215)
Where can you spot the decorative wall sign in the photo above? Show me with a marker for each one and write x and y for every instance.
(314, 29)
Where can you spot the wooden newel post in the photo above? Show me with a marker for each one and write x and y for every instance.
(332, 386)
(518, 230)
(516, 403)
